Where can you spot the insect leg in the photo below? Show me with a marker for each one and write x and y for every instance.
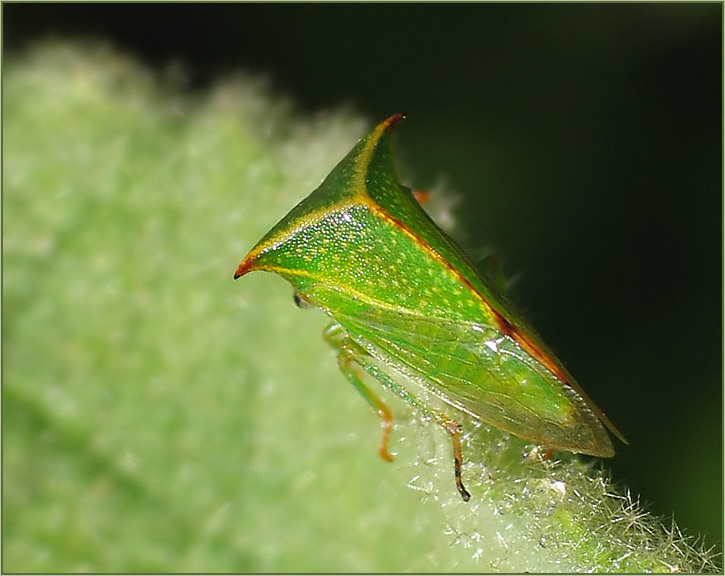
(348, 357)
(454, 429)
(350, 353)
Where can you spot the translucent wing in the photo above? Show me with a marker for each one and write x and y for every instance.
(483, 372)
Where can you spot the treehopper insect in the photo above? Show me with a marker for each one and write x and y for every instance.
(406, 302)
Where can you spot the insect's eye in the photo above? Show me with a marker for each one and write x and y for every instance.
(300, 302)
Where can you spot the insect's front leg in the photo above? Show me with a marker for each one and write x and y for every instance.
(350, 357)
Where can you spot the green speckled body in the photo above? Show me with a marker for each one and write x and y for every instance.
(362, 249)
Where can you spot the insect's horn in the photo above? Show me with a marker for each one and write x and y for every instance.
(393, 121)
(247, 265)
(347, 183)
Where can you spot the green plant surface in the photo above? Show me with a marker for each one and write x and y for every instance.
(158, 416)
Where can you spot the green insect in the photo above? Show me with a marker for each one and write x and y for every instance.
(410, 310)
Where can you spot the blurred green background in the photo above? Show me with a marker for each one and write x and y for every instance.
(585, 143)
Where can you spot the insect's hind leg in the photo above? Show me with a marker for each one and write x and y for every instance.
(350, 354)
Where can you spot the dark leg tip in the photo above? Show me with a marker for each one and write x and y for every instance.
(464, 493)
